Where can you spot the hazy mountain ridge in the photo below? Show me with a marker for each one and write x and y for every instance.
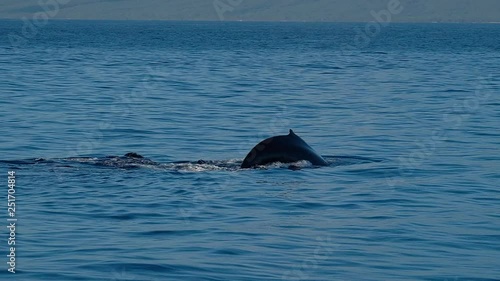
(259, 10)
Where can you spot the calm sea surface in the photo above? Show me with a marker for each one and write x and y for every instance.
(409, 117)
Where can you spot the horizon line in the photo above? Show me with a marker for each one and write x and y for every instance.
(260, 21)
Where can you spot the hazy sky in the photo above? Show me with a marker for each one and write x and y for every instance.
(262, 10)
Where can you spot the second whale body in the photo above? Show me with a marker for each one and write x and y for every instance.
(285, 149)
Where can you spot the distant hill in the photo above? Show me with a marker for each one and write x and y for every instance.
(258, 10)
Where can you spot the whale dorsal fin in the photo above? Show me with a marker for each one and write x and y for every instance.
(283, 148)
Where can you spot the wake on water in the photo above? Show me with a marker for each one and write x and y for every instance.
(136, 161)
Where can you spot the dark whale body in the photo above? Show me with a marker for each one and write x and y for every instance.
(285, 149)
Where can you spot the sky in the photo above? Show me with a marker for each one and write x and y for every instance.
(258, 10)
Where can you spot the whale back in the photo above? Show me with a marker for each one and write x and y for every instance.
(285, 149)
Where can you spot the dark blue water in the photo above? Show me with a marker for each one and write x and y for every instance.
(408, 118)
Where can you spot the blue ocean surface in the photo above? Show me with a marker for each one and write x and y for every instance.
(408, 117)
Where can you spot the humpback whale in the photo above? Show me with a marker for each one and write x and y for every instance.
(285, 149)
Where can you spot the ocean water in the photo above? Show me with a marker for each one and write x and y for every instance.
(408, 118)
